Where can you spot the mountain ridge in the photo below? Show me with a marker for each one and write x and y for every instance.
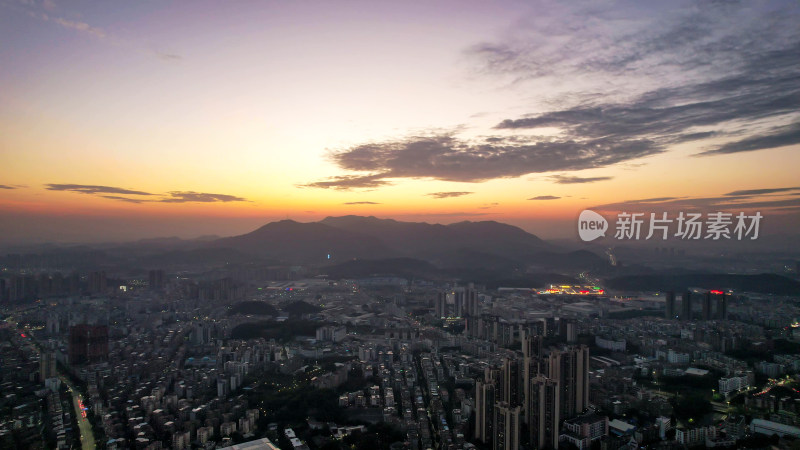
(341, 238)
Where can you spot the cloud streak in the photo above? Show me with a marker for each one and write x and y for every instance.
(93, 189)
(545, 197)
(361, 203)
(774, 138)
(732, 201)
(564, 179)
(125, 199)
(630, 46)
(748, 192)
(168, 56)
(81, 27)
(439, 195)
(46, 12)
(200, 197)
(120, 194)
(347, 182)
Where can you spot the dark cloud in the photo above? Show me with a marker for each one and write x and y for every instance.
(720, 76)
(200, 197)
(93, 189)
(346, 182)
(448, 158)
(448, 194)
(671, 115)
(564, 179)
(747, 192)
(3, 186)
(545, 197)
(709, 70)
(361, 203)
(776, 137)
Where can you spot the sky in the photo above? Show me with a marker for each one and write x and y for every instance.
(124, 120)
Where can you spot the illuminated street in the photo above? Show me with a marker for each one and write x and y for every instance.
(87, 436)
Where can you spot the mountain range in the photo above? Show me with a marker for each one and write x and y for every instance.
(339, 239)
(486, 252)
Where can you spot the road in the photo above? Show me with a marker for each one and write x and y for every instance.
(87, 435)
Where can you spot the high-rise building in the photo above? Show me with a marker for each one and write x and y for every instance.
(458, 302)
(686, 306)
(544, 413)
(441, 304)
(47, 365)
(512, 382)
(722, 306)
(707, 306)
(471, 299)
(669, 306)
(22, 287)
(484, 410)
(532, 346)
(97, 282)
(570, 367)
(568, 329)
(156, 279)
(201, 334)
(88, 344)
(506, 427)
(549, 326)
(531, 366)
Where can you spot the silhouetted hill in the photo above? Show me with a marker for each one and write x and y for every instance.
(300, 307)
(312, 242)
(763, 283)
(465, 244)
(498, 237)
(416, 239)
(253, 307)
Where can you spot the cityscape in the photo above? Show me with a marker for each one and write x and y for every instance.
(389, 354)
(355, 225)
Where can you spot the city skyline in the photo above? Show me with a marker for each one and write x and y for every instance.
(144, 120)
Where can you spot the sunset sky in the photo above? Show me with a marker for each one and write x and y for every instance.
(121, 120)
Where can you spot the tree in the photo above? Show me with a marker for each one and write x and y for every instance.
(691, 406)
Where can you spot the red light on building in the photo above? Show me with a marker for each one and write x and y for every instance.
(717, 292)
